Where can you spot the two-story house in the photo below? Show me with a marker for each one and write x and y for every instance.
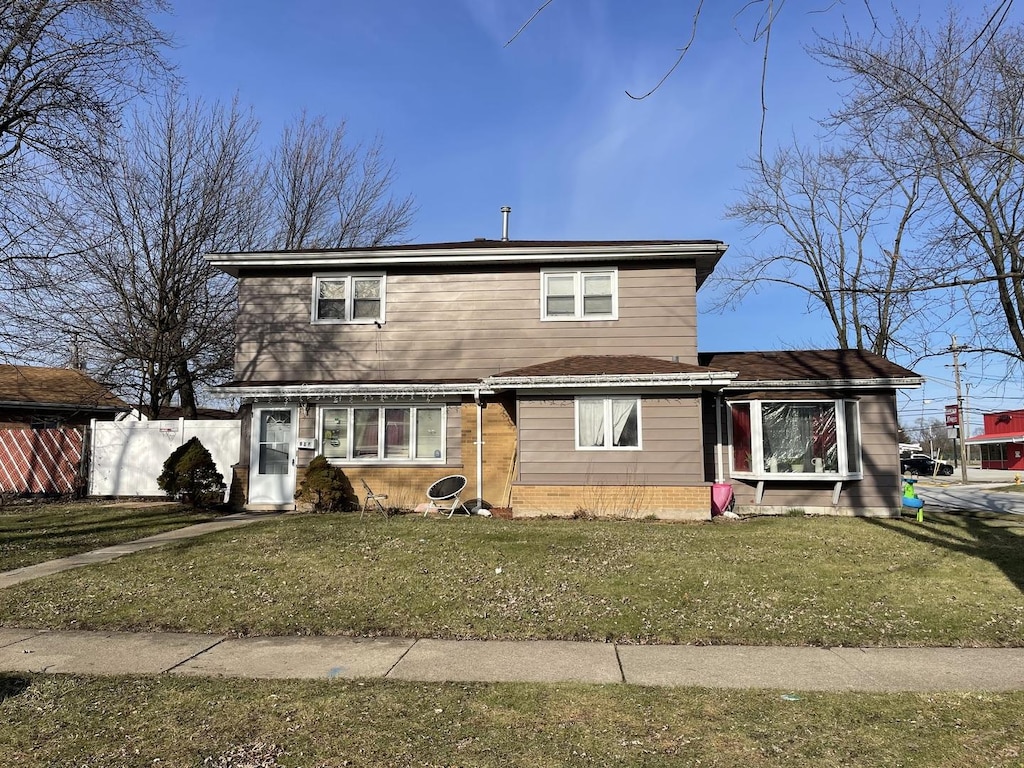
(558, 377)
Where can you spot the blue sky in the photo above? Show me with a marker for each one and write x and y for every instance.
(544, 126)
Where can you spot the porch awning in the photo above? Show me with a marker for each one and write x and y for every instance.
(327, 391)
(995, 438)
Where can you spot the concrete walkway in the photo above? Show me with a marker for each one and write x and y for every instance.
(782, 668)
(29, 572)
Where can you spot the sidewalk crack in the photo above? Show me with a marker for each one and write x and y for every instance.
(399, 659)
(195, 655)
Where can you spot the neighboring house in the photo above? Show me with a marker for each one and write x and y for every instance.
(559, 377)
(44, 413)
(143, 413)
(38, 397)
(1002, 443)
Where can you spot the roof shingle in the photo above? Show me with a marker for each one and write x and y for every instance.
(805, 365)
(603, 365)
(38, 386)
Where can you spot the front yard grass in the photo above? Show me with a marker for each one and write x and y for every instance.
(61, 720)
(32, 533)
(952, 580)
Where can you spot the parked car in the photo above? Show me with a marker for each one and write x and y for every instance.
(925, 465)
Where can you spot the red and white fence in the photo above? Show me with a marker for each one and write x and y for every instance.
(41, 460)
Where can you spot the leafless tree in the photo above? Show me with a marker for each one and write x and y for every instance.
(957, 92)
(67, 68)
(328, 192)
(185, 179)
(757, 19)
(838, 224)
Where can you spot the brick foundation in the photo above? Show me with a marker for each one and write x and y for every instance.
(629, 501)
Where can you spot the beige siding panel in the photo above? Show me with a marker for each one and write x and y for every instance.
(671, 453)
(459, 325)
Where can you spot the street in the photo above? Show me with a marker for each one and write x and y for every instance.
(976, 496)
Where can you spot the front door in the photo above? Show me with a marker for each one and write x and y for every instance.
(272, 458)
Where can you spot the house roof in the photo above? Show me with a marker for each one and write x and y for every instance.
(609, 371)
(602, 365)
(705, 253)
(177, 412)
(810, 367)
(36, 387)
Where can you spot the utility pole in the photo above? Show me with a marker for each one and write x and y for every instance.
(955, 349)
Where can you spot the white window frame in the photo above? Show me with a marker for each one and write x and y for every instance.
(608, 424)
(349, 280)
(757, 458)
(577, 275)
(414, 408)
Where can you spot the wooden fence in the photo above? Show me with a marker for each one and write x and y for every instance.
(41, 461)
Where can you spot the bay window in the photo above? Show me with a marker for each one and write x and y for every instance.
(383, 433)
(775, 438)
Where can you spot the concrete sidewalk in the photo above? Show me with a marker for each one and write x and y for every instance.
(782, 668)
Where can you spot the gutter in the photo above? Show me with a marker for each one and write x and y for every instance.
(906, 381)
(715, 379)
(230, 262)
(317, 391)
(77, 408)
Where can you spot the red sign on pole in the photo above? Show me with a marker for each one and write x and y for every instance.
(952, 416)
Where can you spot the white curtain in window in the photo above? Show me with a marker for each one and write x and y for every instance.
(622, 414)
(591, 423)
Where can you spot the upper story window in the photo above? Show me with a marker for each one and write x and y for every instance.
(348, 298)
(776, 439)
(580, 294)
(607, 423)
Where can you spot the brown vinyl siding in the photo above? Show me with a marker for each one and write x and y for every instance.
(670, 434)
(444, 325)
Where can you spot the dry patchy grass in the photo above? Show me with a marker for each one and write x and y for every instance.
(171, 722)
(789, 581)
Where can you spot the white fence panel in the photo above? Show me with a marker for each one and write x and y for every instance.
(128, 456)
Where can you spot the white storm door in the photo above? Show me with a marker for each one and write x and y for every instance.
(272, 457)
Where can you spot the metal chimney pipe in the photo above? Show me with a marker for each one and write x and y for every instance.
(505, 211)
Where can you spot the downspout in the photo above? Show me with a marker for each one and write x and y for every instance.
(719, 465)
(479, 451)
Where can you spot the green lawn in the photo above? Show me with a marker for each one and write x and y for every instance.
(787, 581)
(32, 533)
(170, 722)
